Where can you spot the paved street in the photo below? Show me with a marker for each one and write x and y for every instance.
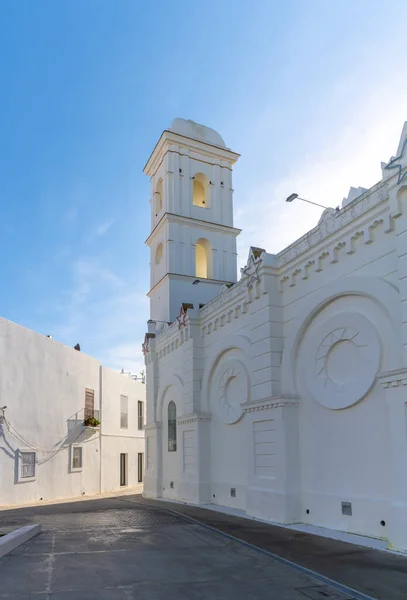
(377, 574)
(113, 549)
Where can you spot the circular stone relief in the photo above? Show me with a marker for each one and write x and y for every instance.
(229, 389)
(342, 359)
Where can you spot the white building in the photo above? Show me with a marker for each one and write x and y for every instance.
(50, 391)
(282, 394)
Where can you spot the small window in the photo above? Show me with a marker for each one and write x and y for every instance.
(89, 404)
(200, 190)
(203, 259)
(124, 412)
(158, 254)
(159, 197)
(172, 427)
(77, 454)
(27, 465)
(140, 414)
(123, 470)
(140, 466)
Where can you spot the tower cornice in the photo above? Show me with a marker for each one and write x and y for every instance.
(172, 218)
(190, 279)
(169, 138)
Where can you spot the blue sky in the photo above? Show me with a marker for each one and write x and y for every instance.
(311, 93)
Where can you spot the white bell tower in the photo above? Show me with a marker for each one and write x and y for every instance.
(192, 241)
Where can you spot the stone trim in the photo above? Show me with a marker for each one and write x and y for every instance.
(269, 403)
(171, 141)
(171, 338)
(340, 248)
(223, 298)
(193, 418)
(233, 302)
(395, 378)
(368, 200)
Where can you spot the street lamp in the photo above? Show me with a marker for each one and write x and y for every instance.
(292, 197)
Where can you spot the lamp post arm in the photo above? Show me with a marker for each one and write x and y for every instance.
(314, 203)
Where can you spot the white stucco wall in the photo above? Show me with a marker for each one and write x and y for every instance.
(43, 385)
(289, 385)
(116, 440)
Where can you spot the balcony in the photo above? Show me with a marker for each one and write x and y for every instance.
(85, 419)
(91, 418)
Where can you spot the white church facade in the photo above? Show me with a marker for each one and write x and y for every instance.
(69, 427)
(283, 393)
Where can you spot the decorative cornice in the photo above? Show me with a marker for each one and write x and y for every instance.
(166, 332)
(366, 201)
(339, 249)
(175, 218)
(171, 140)
(269, 403)
(182, 277)
(193, 418)
(392, 379)
(225, 297)
(173, 339)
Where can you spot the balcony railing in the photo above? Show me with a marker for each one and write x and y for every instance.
(84, 418)
(91, 417)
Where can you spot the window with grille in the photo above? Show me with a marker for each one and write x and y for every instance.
(140, 414)
(89, 403)
(124, 412)
(172, 427)
(140, 466)
(27, 465)
(77, 457)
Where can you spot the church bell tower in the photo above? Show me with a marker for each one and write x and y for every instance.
(192, 241)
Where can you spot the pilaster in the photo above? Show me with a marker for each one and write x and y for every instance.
(394, 384)
(194, 446)
(398, 202)
(153, 463)
(216, 194)
(152, 381)
(273, 491)
(172, 177)
(266, 332)
(193, 361)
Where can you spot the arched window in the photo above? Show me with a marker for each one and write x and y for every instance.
(172, 427)
(158, 254)
(200, 196)
(203, 259)
(159, 196)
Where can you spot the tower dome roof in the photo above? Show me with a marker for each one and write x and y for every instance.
(193, 130)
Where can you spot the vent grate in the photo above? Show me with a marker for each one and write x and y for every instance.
(347, 508)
